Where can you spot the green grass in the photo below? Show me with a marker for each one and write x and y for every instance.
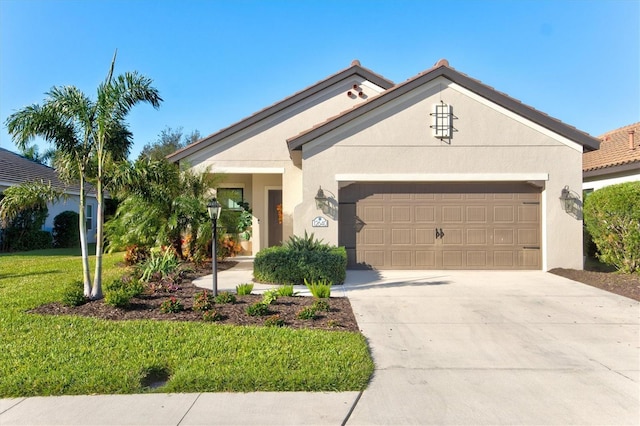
(66, 355)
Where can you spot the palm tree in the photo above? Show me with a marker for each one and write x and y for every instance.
(87, 135)
(64, 120)
(116, 97)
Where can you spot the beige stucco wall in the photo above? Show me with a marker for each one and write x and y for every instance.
(490, 144)
(260, 152)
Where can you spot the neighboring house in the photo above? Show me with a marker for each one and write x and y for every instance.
(16, 169)
(437, 172)
(617, 160)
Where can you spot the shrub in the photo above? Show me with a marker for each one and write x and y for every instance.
(23, 232)
(136, 254)
(171, 305)
(321, 305)
(319, 289)
(308, 312)
(306, 243)
(286, 290)
(212, 315)
(274, 321)
(162, 263)
(65, 230)
(283, 265)
(257, 310)
(270, 296)
(612, 216)
(203, 301)
(74, 294)
(118, 293)
(244, 289)
(225, 297)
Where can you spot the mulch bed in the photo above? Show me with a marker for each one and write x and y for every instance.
(627, 285)
(147, 307)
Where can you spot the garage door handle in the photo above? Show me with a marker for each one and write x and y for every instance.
(439, 233)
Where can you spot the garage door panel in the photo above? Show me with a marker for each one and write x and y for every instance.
(485, 226)
(425, 236)
(401, 214)
(401, 237)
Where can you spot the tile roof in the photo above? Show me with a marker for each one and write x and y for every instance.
(442, 68)
(15, 169)
(615, 149)
(354, 69)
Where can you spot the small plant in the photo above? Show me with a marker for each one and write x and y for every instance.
(244, 289)
(225, 297)
(321, 305)
(203, 301)
(270, 296)
(162, 263)
(307, 243)
(257, 310)
(274, 321)
(118, 293)
(211, 315)
(135, 254)
(319, 289)
(119, 298)
(333, 324)
(74, 294)
(306, 313)
(287, 291)
(171, 305)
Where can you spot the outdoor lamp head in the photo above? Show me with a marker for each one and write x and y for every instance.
(214, 208)
(321, 199)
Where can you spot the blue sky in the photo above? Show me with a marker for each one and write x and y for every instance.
(216, 62)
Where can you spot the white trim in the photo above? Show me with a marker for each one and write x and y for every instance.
(249, 170)
(441, 177)
(514, 116)
(543, 225)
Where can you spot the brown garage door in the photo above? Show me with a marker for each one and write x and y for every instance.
(441, 226)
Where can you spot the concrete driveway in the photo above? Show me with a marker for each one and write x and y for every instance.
(470, 347)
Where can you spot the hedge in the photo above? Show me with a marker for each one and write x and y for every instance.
(284, 265)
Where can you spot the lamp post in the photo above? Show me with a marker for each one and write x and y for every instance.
(214, 208)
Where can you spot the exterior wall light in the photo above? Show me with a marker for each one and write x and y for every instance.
(321, 200)
(566, 199)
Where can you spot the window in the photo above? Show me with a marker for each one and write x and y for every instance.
(231, 198)
(89, 218)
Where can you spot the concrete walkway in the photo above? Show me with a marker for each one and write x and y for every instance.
(450, 348)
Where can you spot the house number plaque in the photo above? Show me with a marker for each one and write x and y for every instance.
(320, 222)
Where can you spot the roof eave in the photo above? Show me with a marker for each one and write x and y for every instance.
(588, 142)
(354, 69)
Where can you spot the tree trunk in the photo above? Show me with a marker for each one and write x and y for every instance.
(86, 275)
(96, 291)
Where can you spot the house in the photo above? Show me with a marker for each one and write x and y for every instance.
(16, 169)
(437, 172)
(617, 160)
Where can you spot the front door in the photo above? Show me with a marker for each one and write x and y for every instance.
(275, 217)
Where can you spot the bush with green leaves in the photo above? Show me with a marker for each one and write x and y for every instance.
(257, 310)
(161, 263)
(225, 297)
(65, 230)
(171, 305)
(211, 315)
(321, 305)
(244, 289)
(306, 243)
(118, 293)
(320, 289)
(292, 263)
(270, 296)
(74, 294)
(274, 321)
(286, 290)
(308, 312)
(612, 216)
(203, 301)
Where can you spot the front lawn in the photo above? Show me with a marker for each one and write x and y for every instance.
(64, 355)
